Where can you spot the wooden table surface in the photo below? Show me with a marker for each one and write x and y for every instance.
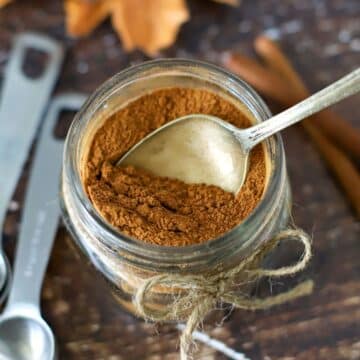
(322, 38)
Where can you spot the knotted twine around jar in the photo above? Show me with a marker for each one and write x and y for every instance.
(204, 292)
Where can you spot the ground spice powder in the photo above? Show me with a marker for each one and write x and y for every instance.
(160, 210)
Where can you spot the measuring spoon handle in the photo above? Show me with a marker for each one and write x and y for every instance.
(22, 105)
(339, 90)
(41, 210)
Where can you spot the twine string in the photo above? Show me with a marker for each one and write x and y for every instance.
(203, 293)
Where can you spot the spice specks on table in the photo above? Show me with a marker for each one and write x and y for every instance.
(322, 39)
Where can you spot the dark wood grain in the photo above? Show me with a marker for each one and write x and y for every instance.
(322, 39)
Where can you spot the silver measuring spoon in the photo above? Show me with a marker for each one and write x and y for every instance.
(24, 335)
(22, 105)
(205, 149)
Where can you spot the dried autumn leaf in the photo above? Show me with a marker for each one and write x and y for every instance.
(229, 2)
(4, 2)
(148, 24)
(82, 17)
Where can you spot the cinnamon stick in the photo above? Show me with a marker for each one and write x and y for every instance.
(279, 63)
(339, 164)
(279, 81)
(258, 76)
(337, 161)
(334, 126)
(262, 79)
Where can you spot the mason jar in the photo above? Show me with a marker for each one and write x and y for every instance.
(126, 262)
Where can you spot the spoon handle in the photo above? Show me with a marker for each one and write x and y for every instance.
(41, 212)
(22, 106)
(341, 89)
(23, 101)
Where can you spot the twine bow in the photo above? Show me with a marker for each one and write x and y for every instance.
(203, 293)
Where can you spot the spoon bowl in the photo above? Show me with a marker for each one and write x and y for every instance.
(25, 338)
(200, 148)
(195, 149)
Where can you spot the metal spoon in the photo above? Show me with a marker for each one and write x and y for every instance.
(23, 101)
(24, 335)
(205, 149)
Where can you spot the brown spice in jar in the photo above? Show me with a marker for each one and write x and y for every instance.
(160, 210)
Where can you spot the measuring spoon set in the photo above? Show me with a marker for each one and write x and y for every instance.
(24, 335)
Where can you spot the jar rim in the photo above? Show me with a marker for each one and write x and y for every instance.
(111, 236)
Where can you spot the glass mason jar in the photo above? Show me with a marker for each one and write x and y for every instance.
(126, 262)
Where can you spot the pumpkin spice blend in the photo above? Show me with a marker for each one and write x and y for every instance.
(160, 210)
